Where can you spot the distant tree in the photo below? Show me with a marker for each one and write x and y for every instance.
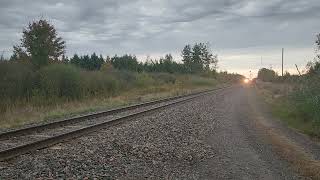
(19, 54)
(314, 67)
(108, 59)
(75, 60)
(107, 67)
(2, 57)
(126, 62)
(92, 62)
(267, 75)
(41, 43)
(318, 45)
(209, 58)
(166, 64)
(187, 57)
(95, 62)
(198, 58)
(65, 59)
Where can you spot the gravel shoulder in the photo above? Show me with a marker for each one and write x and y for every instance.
(211, 137)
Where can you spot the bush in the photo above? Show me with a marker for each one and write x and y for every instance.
(164, 78)
(125, 80)
(307, 105)
(16, 80)
(21, 84)
(267, 75)
(144, 80)
(197, 81)
(99, 83)
(60, 80)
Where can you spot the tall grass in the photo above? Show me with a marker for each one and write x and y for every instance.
(306, 102)
(59, 89)
(297, 103)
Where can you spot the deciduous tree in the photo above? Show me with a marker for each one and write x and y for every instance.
(41, 43)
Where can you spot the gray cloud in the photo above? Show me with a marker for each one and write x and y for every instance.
(160, 26)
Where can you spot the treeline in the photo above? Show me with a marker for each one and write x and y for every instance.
(197, 59)
(194, 63)
(39, 73)
(127, 62)
(41, 46)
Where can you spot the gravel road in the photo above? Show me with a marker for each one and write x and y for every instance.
(211, 137)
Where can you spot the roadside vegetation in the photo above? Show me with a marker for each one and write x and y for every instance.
(38, 82)
(295, 99)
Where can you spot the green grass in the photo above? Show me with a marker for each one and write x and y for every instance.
(286, 112)
(30, 112)
(60, 90)
(298, 109)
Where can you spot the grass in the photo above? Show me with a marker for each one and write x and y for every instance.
(26, 113)
(60, 90)
(283, 109)
(301, 161)
(285, 104)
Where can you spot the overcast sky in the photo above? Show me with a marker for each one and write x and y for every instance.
(239, 31)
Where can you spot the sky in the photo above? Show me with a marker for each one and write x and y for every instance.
(246, 34)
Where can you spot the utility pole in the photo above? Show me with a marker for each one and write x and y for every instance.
(282, 61)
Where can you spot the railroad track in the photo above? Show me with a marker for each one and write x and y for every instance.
(21, 141)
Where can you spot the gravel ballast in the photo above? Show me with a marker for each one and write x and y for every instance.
(200, 139)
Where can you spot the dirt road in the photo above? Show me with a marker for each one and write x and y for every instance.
(227, 135)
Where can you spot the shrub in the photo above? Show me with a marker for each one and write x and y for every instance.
(16, 80)
(99, 83)
(198, 81)
(144, 80)
(164, 78)
(267, 75)
(59, 80)
(21, 84)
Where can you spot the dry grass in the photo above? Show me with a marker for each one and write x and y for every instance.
(21, 115)
(276, 90)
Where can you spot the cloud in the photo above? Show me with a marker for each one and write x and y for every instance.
(162, 26)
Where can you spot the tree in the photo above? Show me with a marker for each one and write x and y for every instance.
(314, 67)
(208, 58)
(187, 57)
(198, 58)
(65, 59)
(267, 75)
(41, 43)
(19, 54)
(126, 62)
(75, 60)
(318, 45)
(92, 62)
